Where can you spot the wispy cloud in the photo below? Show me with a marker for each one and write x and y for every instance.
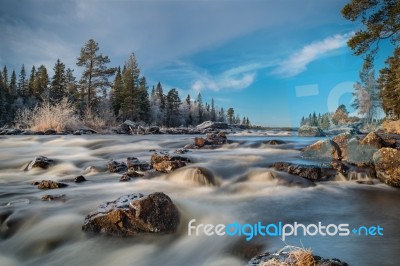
(298, 62)
(235, 78)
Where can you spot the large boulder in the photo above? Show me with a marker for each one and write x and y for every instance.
(212, 125)
(387, 162)
(342, 140)
(308, 131)
(310, 172)
(361, 152)
(134, 214)
(166, 163)
(322, 150)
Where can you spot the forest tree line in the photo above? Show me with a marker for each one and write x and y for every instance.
(126, 97)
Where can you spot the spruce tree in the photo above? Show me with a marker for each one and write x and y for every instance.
(116, 94)
(200, 108)
(58, 83)
(22, 84)
(143, 101)
(172, 108)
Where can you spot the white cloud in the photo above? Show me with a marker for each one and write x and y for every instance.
(235, 78)
(297, 62)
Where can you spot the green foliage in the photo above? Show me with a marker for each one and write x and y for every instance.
(366, 94)
(380, 20)
(58, 83)
(230, 114)
(95, 101)
(95, 75)
(389, 85)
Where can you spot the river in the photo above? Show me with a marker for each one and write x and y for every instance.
(36, 232)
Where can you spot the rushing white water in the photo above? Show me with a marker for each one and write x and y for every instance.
(244, 189)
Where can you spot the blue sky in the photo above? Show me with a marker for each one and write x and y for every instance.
(273, 61)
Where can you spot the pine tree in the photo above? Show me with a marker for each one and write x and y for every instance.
(221, 115)
(71, 86)
(3, 101)
(143, 101)
(230, 115)
(189, 120)
(130, 76)
(200, 109)
(40, 88)
(58, 86)
(172, 108)
(5, 78)
(116, 94)
(22, 84)
(31, 81)
(248, 122)
(213, 113)
(389, 85)
(13, 85)
(96, 73)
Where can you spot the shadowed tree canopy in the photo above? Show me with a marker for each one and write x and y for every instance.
(381, 21)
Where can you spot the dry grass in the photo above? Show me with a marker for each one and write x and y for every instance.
(296, 257)
(58, 117)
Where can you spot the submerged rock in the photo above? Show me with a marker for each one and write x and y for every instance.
(40, 162)
(166, 163)
(353, 172)
(296, 257)
(135, 165)
(322, 150)
(60, 197)
(117, 167)
(79, 179)
(212, 140)
(50, 132)
(49, 184)
(129, 175)
(387, 162)
(197, 175)
(134, 214)
(308, 131)
(275, 142)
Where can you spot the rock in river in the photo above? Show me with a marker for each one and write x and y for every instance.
(117, 167)
(134, 214)
(40, 162)
(308, 131)
(387, 162)
(49, 184)
(166, 164)
(322, 150)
